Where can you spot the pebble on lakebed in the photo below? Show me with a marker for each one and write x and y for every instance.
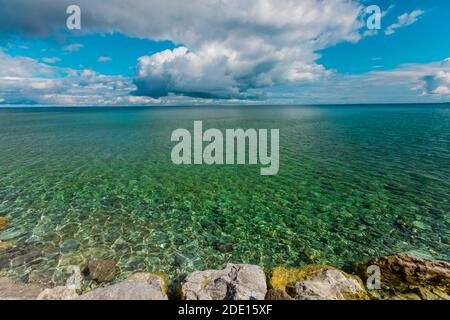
(403, 277)
(3, 223)
(5, 245)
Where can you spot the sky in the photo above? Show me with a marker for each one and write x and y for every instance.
(176, 52)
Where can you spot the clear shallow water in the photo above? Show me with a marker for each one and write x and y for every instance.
(354, 183)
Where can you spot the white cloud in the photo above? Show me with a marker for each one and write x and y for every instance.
(51, 60)
(404, 20)
(22, 67)
(438, 82)
(28, 81)
(230, 48)
(216, 72)
(104, 59)
(236, 46)
(74, 47)
(409, 83)
(235, 50)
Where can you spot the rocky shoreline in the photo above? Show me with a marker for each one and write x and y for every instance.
(403, 277)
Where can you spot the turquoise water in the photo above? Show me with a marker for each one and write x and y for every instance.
(354, 182)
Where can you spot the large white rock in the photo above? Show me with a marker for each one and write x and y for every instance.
(141, 286)
(58, 293)
(235, 282)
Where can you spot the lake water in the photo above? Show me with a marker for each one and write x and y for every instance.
(354, 182)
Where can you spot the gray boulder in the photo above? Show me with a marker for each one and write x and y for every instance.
(11, 290)
(58, 293)
(141, 286)
(235, 282)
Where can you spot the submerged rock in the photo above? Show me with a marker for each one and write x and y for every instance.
(58, 293)
(100, 270)
(317, 283)
(5, 245)
(69, 245)
(12, 234)
(3, 223)
(41, 278)
(405, 271)
(223, 246)
(71, 259)
(11, 290)
(141, 286)
(20, 255)
(234, 282)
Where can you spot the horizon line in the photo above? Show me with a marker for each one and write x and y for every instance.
(17, 106)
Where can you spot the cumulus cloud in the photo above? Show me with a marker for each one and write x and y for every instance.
(28, 81)
(408, 83)
(438, 83)
(215, 71)
(404, 20)
(228, 47)
(104, 59)
(22, 67)
(234, 47)
(425, 79)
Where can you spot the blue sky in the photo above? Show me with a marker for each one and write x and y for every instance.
(93, 46)
(422, 42)
(272, 52)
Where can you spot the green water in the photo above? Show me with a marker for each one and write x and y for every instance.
(354, 183)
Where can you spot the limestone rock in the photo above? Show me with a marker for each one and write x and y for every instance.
(316, 282)
(403, 270)
(275, 294)
(3, 223)
(100, 270)
(430, 293)
(137, 287)
(58, 293)
(330, 284)
(75, 279)
(11, 290)
(157, 280)
(235, 282)
(406, 296)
